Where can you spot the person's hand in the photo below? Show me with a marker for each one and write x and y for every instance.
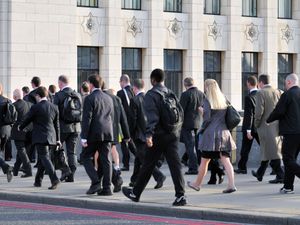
(149, 142)
(200, 109)
(249, 136)
(59, 144)
(84, 143)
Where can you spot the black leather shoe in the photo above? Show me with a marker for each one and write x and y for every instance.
(255, 175)
(131, 184)
(70, 178)
(118, 185)
(36, 184)
(212, 181)
(65, 175)
(229, 190)
(160, 182)
(191, 172)
(129, 194)
(240, 171)
(105, 192)
(125, 168)
(93, 189)
(9, 174)
(180, 201)
(54, 185)
(26, 175)
(276, 181)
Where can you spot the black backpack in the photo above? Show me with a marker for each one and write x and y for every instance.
(9, 114)
(171, 116)
(72, 108)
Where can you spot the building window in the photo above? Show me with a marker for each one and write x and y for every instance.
(249, 8)
(87, 3)
(285, 67)
(212, 66)
(87, 63)
(132, 62)
(173, 6)
(249, 68)
(131, 4)
(285, 9)
(212, 7)
(173, 70)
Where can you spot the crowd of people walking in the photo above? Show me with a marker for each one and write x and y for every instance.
(46, 127)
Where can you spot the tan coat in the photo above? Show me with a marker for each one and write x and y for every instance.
(270, 141)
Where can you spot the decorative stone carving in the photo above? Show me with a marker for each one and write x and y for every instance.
(134, 26)
(252, 32)
(175, 28)
(287, 34)
(214, 30)
(90, 24)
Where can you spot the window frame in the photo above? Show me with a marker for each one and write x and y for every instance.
(133, 73)
(286, 73)
(213, 74)
(291, 9)
(249, 15)
(174, 4)
(124, 8)
(212, 13)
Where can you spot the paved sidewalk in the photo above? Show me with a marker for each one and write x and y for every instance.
(254, 202)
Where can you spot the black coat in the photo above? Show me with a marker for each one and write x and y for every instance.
(97, 119)
(122, 96)
(120, 118)
(22, 108)
(59, 100)
(6, 129)
(138, 118)
(190, 101)
(249, 112)
(287, 111)
(31, 97)
(45, 118)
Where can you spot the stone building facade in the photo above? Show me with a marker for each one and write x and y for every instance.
(224, 39)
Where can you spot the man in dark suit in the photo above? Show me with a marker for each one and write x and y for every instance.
(21, 138)
(126, 94)
(138, 131)
(287, 111)
(97, 135)
(45, 134)
(5, 131)
(69, 132)
(190, 101)
(25, 91)
(35, 83)
(248, 128)
(159, 141)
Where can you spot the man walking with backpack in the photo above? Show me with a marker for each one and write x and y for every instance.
(164, 120)
(70, 108)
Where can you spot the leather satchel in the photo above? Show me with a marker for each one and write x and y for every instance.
(232, 117)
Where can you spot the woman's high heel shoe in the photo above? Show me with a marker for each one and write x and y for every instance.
(189, 183)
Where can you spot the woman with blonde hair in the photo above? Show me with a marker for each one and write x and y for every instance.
(215, 141)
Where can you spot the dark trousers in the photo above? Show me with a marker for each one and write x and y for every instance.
(290, 151)
(71, 143)
(167, 145)
(22, 157)
(44, 164)
(126, 148)
(189, 138)
(276, 166)
(215, 169)
(8, 150)
(105, 166)
(245, 150)
(139, 160)
(3, 164)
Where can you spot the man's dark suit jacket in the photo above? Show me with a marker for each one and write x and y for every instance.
(59, 99)
(287, 111)
(120, 118)
(6, 129)
(31, 96)
(249, 111)
(45, 118)
(22, 108)
(97, 119)
(138, 118)
(122, 96)
(190, 101)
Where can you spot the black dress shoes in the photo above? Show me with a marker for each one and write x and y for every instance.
(229, 190)
(129, 194)
(259, 178)
(94, 188)
(9, 174)
(276, 181)
(105, 192)
(160, 182)
(240, 171)
(54, 185)
(36, 184)
(125, 168)
(26, 175)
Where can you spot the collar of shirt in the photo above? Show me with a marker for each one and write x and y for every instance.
(44, 99)
(96, 89)
(140, 92)
(267, 85)
(65, 87)
(253, 89)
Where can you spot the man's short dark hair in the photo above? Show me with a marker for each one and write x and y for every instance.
(52, 88)
(157, 75)
(41, 91)
(188, 82)
(36, 81)
(95, 80)
(85, 86)
(64, 79)
(25, 89)
(139, 84)
(264, 78)
(252, 80)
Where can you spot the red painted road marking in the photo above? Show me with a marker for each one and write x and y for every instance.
(115, 215)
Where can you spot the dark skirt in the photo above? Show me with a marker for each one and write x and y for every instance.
(214, 154)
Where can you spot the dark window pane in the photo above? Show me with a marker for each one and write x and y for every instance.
(212, 7)
(249, 8)
(285, 67)
(132, 62)
(173, 6)
(285, 9)
(131, 4)
(212, 66)
(87, 3)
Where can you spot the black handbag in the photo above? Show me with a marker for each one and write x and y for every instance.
(232, 117)
(59, 159)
